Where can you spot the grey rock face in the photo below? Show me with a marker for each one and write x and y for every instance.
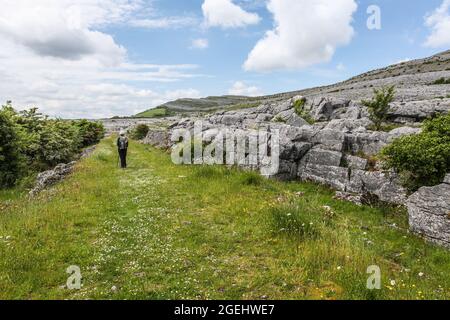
(330, 139)
(356, 162)
(369, 143)
(326, 109)
(51, 177)
(413, 111)
(429, 213)
(348, 125)
(158, 138)
(380, 184)
(290, 118)
(324, 157)
(335, 177)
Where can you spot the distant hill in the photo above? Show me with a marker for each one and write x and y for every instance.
(414, 80)
(203, 105)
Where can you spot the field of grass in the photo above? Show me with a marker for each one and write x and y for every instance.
(154, 113)
(160, 231)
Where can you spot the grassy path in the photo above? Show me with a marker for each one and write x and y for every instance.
(160, 231)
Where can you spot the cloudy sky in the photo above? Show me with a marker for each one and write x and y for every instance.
(99, 58)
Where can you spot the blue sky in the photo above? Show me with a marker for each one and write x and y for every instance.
(117, 57)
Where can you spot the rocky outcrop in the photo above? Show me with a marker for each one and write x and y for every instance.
(159, 138)
(429, 213)
(48, 178)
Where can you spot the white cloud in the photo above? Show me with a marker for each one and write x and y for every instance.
(54, 57)
(164, 22)
(306, 33)
(226, 14)
(240, 88)
(65, 28)
(200, 44)
(439, 23)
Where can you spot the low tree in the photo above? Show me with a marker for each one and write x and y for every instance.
(11, 161)
(378, 107)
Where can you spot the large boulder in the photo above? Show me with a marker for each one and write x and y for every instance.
(326, 109)
(158, 138)
(335, 177)
(330, 139)
(324, 157)
(429, 213)
(383, 185)
(415, 111)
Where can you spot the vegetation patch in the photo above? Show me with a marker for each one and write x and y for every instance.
(300, 110)
(441, 81)
(422, 159)
(378, 107)
(32, 142)
(155, 113)
(140, 131)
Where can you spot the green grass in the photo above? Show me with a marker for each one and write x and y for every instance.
(154, 113)
(160, 231)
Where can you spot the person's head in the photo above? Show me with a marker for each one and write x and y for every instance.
(122, 133)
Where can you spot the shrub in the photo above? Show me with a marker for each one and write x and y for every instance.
(90, 132)
(46, 142)
(140, 132)
(378, 107)
(422, 159)
(11, 161)
(32, 142)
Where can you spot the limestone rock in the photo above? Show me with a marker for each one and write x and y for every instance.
(48, 178)
(429, 213)
(290, 118)
(158, 138)
(324, 157)
(354, 162)
(335, 177)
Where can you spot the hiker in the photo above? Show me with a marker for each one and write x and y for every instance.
(122, 145)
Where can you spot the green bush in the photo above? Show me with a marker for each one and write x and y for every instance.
(379, 105)
(33, 142)
(140, 132)
(89, 132)
(11, 161)
(47, 142)
(422, 159)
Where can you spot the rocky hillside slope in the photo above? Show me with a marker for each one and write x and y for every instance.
(413, 80)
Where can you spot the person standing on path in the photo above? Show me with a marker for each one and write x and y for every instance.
(122, 146)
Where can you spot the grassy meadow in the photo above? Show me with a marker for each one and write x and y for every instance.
(161, 231)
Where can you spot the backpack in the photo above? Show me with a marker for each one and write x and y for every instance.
(123, 143)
